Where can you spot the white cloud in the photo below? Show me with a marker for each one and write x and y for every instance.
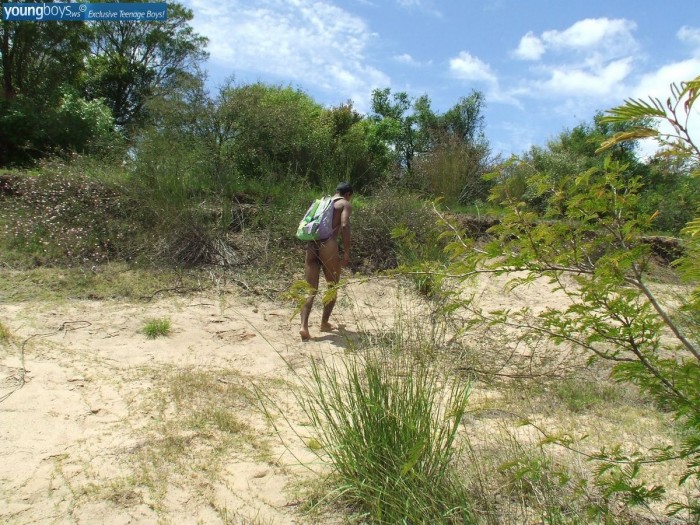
(311, 42)
(592, 32)
(591, 60)
(424, 6)
(406, 59)
(409, 60)
(467, 67)
(605, 81)
(690, 35)
(657, 83)
(530, 47)
(610, 38)
(409, 3)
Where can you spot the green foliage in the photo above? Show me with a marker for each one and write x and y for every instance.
(110, 281)
(388, 429)
(585, 233)
(263, 133)
(358, 155)
(154, 328)
(80, 122)
(376, 245)
(542, 483)
(413, 130)
(59, 217)
(441, 155)
(65, 84)
(579, 395)
(453, 171)
(674, 111)
(71, 124)
(421, 259)
(279, 133)
(623, 478)
(130, 62)
(5, 334)
(38, 58)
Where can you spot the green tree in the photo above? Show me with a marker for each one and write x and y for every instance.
(130, 62)
(586, 235)
(357, 154)
(39, 62)
(454, 151)
(465, 120)
(275, 132)
(39, 57)
(397, 118)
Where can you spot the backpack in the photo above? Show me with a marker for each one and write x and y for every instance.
(317, 223)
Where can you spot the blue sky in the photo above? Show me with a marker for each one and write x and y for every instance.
(543, 65)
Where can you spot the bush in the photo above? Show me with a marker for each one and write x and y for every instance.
(57, 217)
(375, 223)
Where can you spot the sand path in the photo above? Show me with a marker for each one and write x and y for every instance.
(99, 424)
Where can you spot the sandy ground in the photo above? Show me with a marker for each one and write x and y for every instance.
(100, 424)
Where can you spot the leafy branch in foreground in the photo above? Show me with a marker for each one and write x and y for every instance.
(588, 239)
(675, 111)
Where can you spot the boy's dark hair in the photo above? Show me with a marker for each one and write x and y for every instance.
(343, 188)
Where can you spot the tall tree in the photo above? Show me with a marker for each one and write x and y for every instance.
(397, 125)
(37, 58)
(131, 61)
(465, 120)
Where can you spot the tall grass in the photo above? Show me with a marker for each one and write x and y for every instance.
(388, 426)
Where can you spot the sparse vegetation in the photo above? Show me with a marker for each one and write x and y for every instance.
(172, 189)
(154, 328)
(388, 430)
(5, 334)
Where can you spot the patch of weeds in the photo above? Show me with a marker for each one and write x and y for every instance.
(231, 517)
(156, 328)
(515, 481)
(200, 423)
(221, 419)
(112, 281)
(57, 217)
(579, 395)
(212, 400)
(5, 334)
(122, 492)
(387, 427)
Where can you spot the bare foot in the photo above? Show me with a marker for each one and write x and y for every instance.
(327, 327)
(305, 335)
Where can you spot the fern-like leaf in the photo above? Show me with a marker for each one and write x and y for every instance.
(625, 136)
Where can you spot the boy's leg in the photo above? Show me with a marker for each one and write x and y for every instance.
(330, 262)
(312, 270)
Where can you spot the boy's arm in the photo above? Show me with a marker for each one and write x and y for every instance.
(345, 230)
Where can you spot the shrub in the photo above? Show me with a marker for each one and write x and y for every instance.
(58, 217)
(586, 235)
(374, 223)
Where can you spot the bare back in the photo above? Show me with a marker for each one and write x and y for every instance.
(341, 211)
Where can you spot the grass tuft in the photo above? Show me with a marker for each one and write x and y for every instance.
(387, 425)
(5, 334)
(156, 328)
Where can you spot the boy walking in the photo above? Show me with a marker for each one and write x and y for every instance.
(325, 254)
